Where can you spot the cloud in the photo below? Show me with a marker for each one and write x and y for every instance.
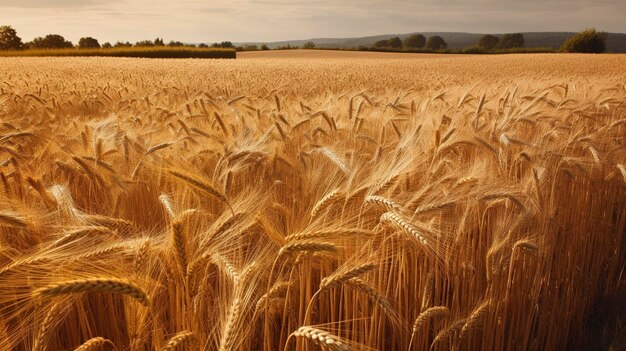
(50, 4)
(270, 20)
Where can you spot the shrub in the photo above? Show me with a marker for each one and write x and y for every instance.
(488, 42)
(436, 43)
(395, 43)
(587, 41)
(415, 41)
(382, 43)
(509, 41)
(474, 50)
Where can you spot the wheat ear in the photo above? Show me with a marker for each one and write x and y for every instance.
(178, 340)
(446, 334)
(326, 201)
(403, 224)
(158, 147)
(94, 343)
(373, 294)
(429, 314)
(228, 336)
(306, 245)
(475, 320)
(330, 233)
(12, 220)
(200, 185)
(324, 339)
(383, 202)
(337, 279)
(179, 244)
(622, 170)
(40, 341)
(112, 285)
(80, 232)
(276, 291)
(527, 245)
(424, 317)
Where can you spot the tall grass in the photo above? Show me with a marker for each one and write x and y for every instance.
(277, 205)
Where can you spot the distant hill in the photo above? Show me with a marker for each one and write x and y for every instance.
(616, 42)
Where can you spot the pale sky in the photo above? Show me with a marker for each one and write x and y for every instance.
(272, 20)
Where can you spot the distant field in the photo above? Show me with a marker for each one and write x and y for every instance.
(136, 52)
(312, 200)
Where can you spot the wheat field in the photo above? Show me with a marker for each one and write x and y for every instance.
(336, 203)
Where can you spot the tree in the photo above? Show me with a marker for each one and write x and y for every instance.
(159, 42)
(588, 41)
(382, 44)
(224, 44)
(510, 41)
(488, 42)
(107, 45)
(51, 41)
(415, 41)
(395, 43)
(203, 45)
(264, 47)
(144, 43)
(9, 39)
(88, 43)
(175, 43)
(121, 44)
(436, 43)
(309, 45)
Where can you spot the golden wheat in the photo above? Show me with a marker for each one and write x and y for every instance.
(276, 205)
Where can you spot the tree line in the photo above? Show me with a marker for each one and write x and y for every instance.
(589, 41)
(9, 40)
(419, 41)
(412, 42)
